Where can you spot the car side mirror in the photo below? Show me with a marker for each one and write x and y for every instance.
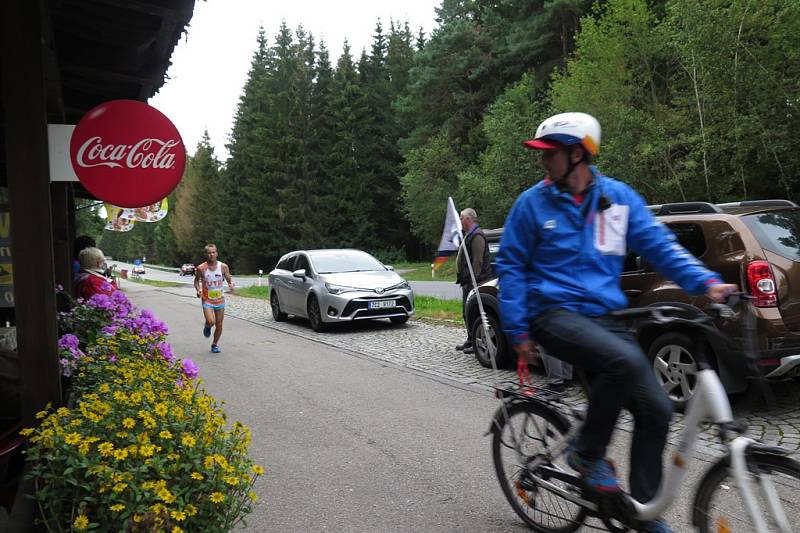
(389, 267)
(301, 273)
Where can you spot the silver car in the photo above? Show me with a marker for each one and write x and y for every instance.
(328, 286)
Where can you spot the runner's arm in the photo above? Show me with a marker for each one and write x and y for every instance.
(198, 281)
(226, 273)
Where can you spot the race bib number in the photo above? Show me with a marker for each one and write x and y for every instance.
(214, 294)
(610, 230)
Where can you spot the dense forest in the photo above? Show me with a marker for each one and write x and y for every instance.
(698, 100)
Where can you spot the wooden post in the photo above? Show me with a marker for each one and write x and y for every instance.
(25, 109)
(62, 247)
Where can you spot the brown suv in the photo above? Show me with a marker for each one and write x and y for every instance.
(754, 244)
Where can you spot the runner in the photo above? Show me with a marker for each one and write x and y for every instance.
(208, 280)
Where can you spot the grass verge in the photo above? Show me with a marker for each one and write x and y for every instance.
(155, 282)
(427, 307)
(253, 292)
(422, 271)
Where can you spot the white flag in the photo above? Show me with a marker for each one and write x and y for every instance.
(451, 234)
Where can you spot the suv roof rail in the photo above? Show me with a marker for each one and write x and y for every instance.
(684, 208)
(760, 203)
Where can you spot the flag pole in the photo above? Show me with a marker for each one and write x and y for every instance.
(491, 349)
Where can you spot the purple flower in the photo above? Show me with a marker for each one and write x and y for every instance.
(189, 369)
(59, 288)
(68, 342)
(106, 287)
(101, 301)
(166, 351)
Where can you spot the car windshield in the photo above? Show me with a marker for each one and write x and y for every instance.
(330, 262)
(777, 231)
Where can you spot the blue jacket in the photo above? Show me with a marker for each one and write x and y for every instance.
(556, 252)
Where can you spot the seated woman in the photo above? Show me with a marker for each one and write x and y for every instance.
(91, 278)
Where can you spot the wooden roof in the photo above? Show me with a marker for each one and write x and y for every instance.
(100, 50)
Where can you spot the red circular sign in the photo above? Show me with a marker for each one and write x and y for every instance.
(127, 153)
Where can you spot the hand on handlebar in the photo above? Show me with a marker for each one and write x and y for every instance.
(721, 291)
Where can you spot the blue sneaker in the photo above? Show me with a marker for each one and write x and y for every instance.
(215, 348)
(206, 331)
(656, 526)
(598, 474)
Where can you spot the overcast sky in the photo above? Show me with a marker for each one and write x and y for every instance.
(210, 64)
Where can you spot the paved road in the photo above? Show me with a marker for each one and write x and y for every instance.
(374, 427)
(439, 289)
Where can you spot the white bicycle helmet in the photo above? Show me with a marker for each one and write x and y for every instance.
(566, 129)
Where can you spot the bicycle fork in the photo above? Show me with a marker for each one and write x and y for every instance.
(746, 480)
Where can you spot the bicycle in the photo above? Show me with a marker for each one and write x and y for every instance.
(532, 429)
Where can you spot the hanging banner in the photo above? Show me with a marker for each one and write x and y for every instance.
(114, 220)
(127, 153)
(148, 213)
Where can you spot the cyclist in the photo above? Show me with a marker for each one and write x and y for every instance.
(559, 264)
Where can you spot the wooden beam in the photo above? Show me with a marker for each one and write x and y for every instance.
(62, 243)
(181, 16)
(88, 74)
(25, 110)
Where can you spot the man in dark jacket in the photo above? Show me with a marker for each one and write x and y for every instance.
(475, 243)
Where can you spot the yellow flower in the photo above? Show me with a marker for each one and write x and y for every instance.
(253, 496)
(72, 438)
(231, 480)
(42, 414)
(120, 455)
(27, 431)
(81, 522)
(173, 456)
(217, 497)
(106, 449)
(176, 529)
(137, 518)
(129, 423)
(119, 487)
(208, 462)
(104, 388)
(165, 435)
(117, 507)
(180, 516)
(188, 441)
(197, 475)
(161, 409)
(191, 510)
(62, 411)
(259, 470)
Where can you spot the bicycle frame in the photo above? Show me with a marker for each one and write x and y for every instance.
(710, 402)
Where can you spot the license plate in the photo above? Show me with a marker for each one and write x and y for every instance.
(380, 304)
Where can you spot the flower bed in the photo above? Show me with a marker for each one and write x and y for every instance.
(139, 447)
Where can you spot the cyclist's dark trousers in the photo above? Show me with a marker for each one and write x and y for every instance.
(622, 377)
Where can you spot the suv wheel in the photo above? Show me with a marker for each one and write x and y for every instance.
(675, 366)
(490, 343)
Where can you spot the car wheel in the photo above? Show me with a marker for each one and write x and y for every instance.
(675, 366)
(277, 314)
(399, 319)
(490, 342)
(315, 315)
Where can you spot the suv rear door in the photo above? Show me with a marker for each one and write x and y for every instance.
(778, 233)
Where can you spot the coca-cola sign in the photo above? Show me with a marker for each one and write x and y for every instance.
(127, 153)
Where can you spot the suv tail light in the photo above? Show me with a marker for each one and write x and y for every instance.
(762, 284)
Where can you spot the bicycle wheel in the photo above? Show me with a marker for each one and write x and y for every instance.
(719, 505)
(525, 435)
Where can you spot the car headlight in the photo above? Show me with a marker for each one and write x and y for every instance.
(339, 289)
(402, 285)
